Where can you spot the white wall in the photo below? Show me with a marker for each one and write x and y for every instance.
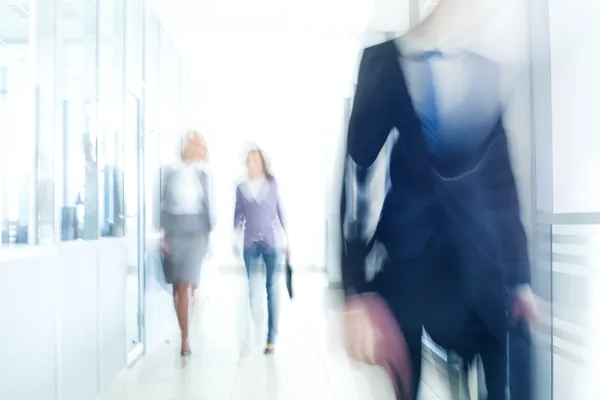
(62, 312)
(27, 316)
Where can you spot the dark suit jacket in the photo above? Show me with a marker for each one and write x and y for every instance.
(467, 206)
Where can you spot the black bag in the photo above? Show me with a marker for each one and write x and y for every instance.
(288, 278)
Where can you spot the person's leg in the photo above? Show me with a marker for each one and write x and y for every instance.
(404, 304)
(520, 361)
(414, 342)
(192, 295)
(250, 256)
(405, 380)
(182, 310)
(175, 296)
(270, 258)
(494, 360)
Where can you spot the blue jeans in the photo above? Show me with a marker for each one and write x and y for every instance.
(252, 255)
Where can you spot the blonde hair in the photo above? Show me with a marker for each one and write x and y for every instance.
(185, 142)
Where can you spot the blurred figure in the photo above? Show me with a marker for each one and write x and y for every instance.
(448, 251)
(185, 222)
(257, 213)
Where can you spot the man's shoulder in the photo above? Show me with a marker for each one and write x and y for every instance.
(379, 51)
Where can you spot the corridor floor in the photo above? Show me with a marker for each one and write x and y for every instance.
(227, 363)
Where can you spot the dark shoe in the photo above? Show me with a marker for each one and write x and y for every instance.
(186, 353)
(186, 350)
(269, 348)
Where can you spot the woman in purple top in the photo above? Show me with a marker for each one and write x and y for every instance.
(258, 213)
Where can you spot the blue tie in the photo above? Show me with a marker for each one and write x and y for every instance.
(427, 108)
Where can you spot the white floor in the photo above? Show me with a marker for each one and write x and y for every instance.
(228, 364)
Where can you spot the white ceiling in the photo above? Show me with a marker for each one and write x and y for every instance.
(316, 41)
(266, 62)
(337, 17)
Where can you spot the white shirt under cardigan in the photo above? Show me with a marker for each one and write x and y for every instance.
(187, 189)
(254, 189)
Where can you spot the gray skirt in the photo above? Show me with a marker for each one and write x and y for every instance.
(187, 248)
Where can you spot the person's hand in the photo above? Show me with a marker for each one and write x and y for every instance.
(372, 336)
(210, 249)
(164, 245)
(237, 242)
(524, 306)
(360, 333)
(236, 250)
(288, 253)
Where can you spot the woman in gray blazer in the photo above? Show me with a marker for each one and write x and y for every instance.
(185, 222)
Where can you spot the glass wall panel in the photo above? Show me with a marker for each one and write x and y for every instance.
(77, 80)
(133, 164)
(135, 42)
(155, 295)
(575, 61)
(111, 38)
(575, 253)
(45, 122)
(133, 178)
(17, 130)
(151, 102)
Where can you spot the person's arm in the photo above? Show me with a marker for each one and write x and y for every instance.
(282, 221)
(371, 122)
(504, 201)
(207, 203)
(279, 212)
(238, 214)
(513, 241)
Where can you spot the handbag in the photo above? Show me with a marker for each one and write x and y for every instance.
(288, 278)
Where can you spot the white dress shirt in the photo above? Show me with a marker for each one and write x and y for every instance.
(187, 189)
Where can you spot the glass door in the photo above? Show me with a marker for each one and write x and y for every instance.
(133, 179)
(564, 93)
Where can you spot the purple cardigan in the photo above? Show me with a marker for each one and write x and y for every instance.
(258, 218)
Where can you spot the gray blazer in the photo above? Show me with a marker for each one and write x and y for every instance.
(199, 223)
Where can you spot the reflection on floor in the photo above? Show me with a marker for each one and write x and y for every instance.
(228, 364)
